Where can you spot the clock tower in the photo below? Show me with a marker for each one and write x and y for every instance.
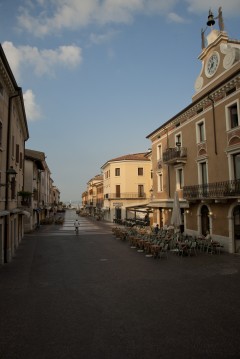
(219, 56)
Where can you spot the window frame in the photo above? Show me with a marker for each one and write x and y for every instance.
(199, 132)
(200, 172)
(141, 191)
(140, 171)
(178, 139)
(179, 178)
(117, 171)
(159, 152)
(228, 116)
(160, 182)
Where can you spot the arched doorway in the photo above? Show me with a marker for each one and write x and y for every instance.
(236, 228)
(205, 226)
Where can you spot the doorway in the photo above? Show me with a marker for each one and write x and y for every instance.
(118, 213)
(205, 225)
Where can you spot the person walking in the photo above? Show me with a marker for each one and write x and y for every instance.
(76, 225)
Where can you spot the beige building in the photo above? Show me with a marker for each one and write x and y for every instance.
(94, 194)
(197, 152)
(41, 198)
(13, 134)
(126, 186)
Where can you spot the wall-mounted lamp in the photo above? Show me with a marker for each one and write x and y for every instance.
(10, 173)
(210, 214)
(170, 210)
(187, 211)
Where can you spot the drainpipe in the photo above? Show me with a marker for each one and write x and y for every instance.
(214, 124)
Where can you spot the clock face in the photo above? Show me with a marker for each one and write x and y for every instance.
(212, 64)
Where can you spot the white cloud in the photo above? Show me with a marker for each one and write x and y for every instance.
(33, 111)
(72, 14)
(173, 17)
(42, 61)
(56, 15)
(230, 7)
(14, 58)
(102, 38)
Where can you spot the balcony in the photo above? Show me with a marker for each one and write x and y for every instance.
(175, 155)
(127, 195)
(216, 190)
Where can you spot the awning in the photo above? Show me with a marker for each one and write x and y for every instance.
(167, 203)
(16, 210)
(4, 213)
(26, 213)
(144, 208)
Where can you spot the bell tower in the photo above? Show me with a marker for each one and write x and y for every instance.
(219, 55)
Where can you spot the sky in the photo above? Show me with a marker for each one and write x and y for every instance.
(98, 76)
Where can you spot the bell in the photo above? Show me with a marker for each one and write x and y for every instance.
(211, 20)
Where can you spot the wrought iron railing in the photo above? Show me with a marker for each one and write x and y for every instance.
(175, 153)
(213, 190)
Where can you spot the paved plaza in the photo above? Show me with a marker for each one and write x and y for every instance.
(92, 296)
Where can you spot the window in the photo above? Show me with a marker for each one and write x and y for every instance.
(118, 191)
(201, 132)
(179, 178)
(117, 171)
(232, 115)
(13, 188)
(17, 153)
(236, 166)
(140, 190)
(159, 152)
(203, 173)
(203, 177)
(21, 160)
(140, 171)
(178, 139)
(160, 182)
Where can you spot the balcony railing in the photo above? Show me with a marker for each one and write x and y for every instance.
(214, 190)
(175, 154)
(128, 195)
